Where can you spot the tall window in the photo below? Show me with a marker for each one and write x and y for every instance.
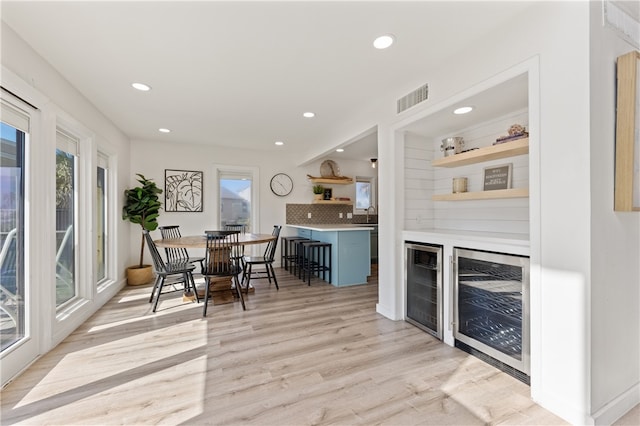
(101, 218)
(66, 206)
(12, 177)
(235, 199)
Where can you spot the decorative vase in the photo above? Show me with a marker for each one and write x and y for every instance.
(139, 276)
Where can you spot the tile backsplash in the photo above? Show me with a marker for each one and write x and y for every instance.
(298, 214)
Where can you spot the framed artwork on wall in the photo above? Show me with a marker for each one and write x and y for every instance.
(182, 191)
(627, 169)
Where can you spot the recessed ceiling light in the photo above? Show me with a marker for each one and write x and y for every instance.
(309, 114)
(340, 150)
(163, 130)
(279, 143)
(384, 41)
(463, 110)
(141, 86)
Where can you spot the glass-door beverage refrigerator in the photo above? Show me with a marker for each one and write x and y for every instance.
(491, 299)
(424, 287)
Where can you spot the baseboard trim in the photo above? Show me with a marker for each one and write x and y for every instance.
(385, 311)
(618, 407)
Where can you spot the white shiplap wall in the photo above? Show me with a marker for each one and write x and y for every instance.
(422, 181)
(418, 182)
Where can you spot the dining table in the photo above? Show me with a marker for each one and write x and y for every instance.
(200, 241)
(221, 290)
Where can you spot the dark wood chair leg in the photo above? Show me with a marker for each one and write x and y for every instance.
(206, 296)
(239, 291)
(275, 281)
(153, 291)
(161, 284)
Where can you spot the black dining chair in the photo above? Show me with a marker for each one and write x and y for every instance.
(222, 260)
(177, 254)
(236, 227)
(181, 272)
(266, 259)
(241, 228)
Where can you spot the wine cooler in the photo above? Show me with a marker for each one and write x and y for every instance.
(424, 287)
(491, 305)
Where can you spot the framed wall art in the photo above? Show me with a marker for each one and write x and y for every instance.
(627, 173)
(182, 191)
(328, 194)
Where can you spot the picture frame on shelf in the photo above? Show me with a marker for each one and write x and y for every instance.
(627, 164)
(328, 194)
(183, 190)
(497, 177)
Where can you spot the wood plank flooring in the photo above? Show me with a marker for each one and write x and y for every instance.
(298, 356)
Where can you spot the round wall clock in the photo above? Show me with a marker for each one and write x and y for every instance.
(281, 184)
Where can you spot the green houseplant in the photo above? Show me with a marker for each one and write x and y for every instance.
(142, 207)
(318, 190)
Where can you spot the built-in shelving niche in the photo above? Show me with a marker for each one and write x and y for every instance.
(428, 177)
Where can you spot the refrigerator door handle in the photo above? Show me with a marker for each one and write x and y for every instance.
(451, 301)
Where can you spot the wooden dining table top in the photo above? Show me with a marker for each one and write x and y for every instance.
(200, 241)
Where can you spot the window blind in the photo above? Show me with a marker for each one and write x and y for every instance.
(66, 142)
(14, 116)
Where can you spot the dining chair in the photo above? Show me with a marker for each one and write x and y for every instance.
(222, 261)
(181, 271)
(236, 227)
(177, 254)
(241, 228)
(266, 259)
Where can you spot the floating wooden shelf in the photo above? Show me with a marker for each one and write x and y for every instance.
(330, 181)
(332, 202)
(483, 195)
(493, 152)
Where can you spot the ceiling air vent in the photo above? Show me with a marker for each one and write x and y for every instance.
(419, 95)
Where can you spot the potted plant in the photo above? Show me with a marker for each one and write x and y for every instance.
(142, 206)
(318, 190)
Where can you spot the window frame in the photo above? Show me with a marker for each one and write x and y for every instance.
(373, 202)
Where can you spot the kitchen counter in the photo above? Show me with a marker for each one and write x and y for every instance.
(337, 227)
(350, 250)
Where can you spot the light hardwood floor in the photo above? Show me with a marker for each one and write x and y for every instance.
(300, 355)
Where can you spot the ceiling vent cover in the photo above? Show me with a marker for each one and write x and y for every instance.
(421, 94)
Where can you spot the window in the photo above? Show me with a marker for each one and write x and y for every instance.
(364, 193)
(235, 199)
(12, 176)
(66, 206)
(101, 217)
(236, 196)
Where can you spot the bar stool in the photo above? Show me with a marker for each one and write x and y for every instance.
(315, 260)
(299, 257)
(287, 252)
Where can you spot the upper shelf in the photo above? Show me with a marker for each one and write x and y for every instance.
(493, 152)
(483, 195)
(332, 181)
(332, 202)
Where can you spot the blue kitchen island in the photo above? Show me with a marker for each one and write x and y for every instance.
(350, 250)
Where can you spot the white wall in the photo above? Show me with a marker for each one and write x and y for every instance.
(151, 158)
(615, 246)
(557, 34)
(418, 182)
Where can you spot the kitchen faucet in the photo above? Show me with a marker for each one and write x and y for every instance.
(369, 209)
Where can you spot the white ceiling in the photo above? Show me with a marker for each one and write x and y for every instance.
(242, 73)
